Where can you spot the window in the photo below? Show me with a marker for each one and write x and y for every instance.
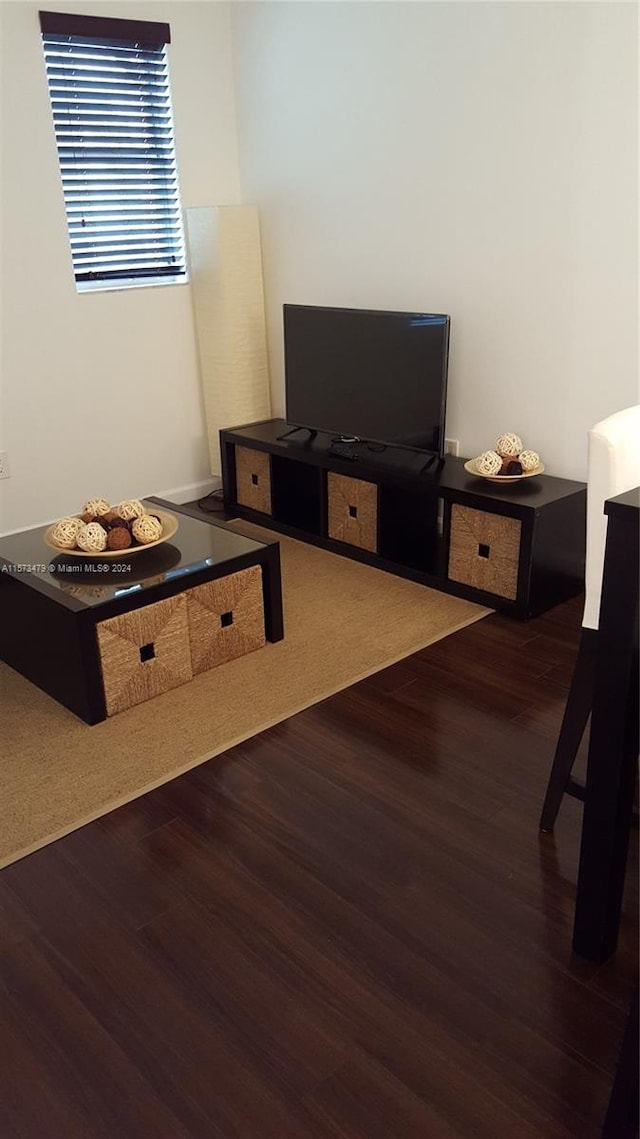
(111, 104)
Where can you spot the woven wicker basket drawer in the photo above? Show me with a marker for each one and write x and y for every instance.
(253, 479)
(144, 653)
(226, 618)
(353, 511)
(484, 551)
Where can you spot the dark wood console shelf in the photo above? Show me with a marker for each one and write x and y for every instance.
(519, 547)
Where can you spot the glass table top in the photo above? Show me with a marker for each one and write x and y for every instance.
(80, 582)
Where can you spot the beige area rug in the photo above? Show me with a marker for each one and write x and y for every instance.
(343, 621)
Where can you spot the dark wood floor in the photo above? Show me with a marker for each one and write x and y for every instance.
(346, 927)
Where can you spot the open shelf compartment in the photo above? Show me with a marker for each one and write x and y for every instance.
(297, 494)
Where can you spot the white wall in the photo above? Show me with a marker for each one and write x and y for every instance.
(478, 158)
(473, 158)
(99, 393)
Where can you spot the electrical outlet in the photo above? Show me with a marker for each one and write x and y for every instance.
(451, 447)
(5, 473)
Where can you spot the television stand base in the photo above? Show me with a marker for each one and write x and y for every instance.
(294, 430)
(426, 466)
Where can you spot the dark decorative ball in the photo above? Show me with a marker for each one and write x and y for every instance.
(87, 517)
(514, 468)
(118, 538)
(119, 523)
(100, 519)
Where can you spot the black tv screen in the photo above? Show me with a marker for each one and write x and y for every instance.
(377, 376)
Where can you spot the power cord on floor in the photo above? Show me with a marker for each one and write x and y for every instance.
(212, 503)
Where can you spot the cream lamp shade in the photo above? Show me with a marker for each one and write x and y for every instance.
(225, 270)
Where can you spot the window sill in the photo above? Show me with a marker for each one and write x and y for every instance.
(138, 283)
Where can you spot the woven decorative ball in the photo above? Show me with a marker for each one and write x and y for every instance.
(130, 508)
(92, 538)
(529, 460)
(509, 445)
(489, 463)
(96, 506)
(146, 529)
(65, 533)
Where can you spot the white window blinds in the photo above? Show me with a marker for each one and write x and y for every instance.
(111, 103)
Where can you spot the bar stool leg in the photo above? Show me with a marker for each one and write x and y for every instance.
(574, 722)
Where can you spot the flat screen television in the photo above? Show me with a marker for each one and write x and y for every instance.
(367, 374)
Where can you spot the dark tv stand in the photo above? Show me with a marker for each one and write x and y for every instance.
(519, 547)
(344, 447)
(294, 430)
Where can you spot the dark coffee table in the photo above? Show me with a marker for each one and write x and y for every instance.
(101, 635)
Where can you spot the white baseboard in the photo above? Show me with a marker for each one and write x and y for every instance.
(189, 493)
(179, 495)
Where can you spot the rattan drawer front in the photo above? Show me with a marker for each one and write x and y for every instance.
(144, 653)
(353, 511)
(226, 618)
(253, 479)
(484, 550)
